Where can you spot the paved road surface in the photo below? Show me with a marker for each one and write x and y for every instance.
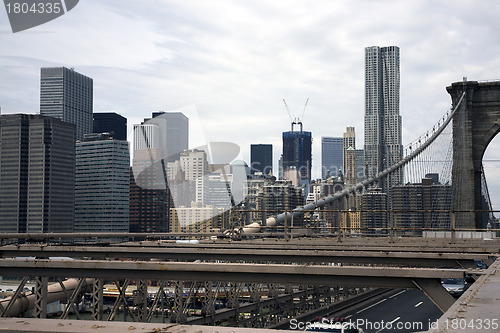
(405, 311)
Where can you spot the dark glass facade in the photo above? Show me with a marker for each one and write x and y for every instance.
(37, 174)
(297, 153)
(261, 157)
(149, 208)
(332, 156)
(111, 122)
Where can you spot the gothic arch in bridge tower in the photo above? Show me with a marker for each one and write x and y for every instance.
(475, 124)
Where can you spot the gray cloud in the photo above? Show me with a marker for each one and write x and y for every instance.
(236, 60)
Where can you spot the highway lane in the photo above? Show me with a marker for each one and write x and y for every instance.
(405, 311)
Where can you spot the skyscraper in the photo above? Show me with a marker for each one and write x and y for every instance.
(350, 156)
(332, 156)
(194, 165)
(102, 185)
(297, 154)
(147, 148)
(67, 95)
(158, 143)
(37, 174)
(111, 122)
(175, 129)
(219, 190)
(383, 139)
(150, 200)
(149, 206)
(360, 165)
(261, 158)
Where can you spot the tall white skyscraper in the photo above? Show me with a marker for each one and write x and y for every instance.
(146, 136)
(194, 164)
(383, 140)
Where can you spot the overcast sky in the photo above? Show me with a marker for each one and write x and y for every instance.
(232, 62)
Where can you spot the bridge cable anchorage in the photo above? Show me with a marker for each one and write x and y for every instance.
(299, 211)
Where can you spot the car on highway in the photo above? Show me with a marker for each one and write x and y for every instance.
(455, 287)
(480, 264)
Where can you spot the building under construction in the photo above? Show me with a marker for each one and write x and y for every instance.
(297, 156)
(297, 151)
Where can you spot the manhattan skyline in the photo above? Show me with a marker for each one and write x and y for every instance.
(236, 65)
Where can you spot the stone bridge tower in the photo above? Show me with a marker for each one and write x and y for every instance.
(475, 124)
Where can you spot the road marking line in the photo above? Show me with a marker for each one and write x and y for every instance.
(418, 304)
(391, 322)
(349, 316)
(397, 294)
(385, 299)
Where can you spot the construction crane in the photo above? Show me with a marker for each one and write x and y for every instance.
(304, 110)
(296, 120)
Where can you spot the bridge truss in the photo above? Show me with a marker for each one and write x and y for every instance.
(238, 283)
